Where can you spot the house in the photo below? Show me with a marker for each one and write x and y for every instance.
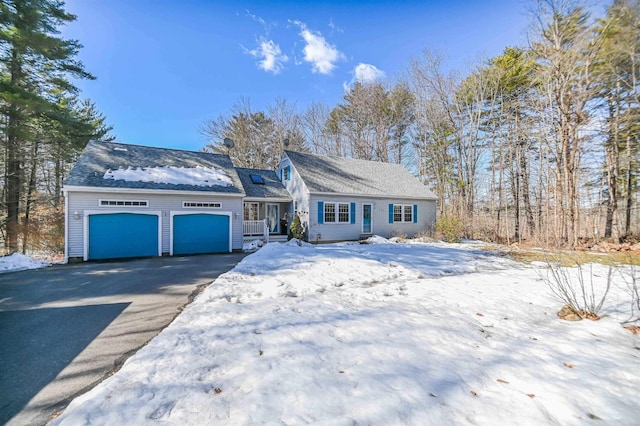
(344, 199)
(126, 200)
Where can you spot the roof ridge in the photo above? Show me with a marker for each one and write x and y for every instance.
(159, 147)
(337, 157)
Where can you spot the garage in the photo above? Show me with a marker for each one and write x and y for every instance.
(120, 235)
(195, 233)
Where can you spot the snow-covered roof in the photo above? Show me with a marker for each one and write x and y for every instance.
(327, 174)
(117, 165)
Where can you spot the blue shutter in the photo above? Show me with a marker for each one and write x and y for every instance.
(288, 172)
(415, 213)
(281, 170)
(353, 213)
(390, 213)
(320, 212)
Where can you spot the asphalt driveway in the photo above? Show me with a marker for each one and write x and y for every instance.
(65, 328)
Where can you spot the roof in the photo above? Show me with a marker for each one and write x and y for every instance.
(327, 174)
(272, 187)
(118, 165)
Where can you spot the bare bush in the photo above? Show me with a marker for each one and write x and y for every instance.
(632, 283)
(575, 287)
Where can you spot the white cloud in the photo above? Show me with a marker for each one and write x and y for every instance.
(272, 58)
(367, 73)
(317, 51)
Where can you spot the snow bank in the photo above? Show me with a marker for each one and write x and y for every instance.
(19, 262)
(199, 176)
(375, 334)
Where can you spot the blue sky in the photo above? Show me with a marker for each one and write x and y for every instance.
(164, 67)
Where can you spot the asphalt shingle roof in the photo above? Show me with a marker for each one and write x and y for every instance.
(98, 157)
(339, 175)
(272, 187)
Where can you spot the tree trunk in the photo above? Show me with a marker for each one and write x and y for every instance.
(12, 174)
(30, 192)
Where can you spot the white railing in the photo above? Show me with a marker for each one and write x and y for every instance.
(257, 228)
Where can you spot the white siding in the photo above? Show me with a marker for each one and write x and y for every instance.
(296, 188)
(379, 215)
(166, 203)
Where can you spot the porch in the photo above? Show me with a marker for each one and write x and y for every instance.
(267, 221)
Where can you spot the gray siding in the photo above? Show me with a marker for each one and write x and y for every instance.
(380, 218)
(165, 203)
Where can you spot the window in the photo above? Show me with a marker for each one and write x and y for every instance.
(257, 179)
(408, 213)
(343, 212)
(337, 213)
(202, 204)
(402, 213)
(251, 211)
(123, 203)
(329, 212)
(397, 213)
(286, 173)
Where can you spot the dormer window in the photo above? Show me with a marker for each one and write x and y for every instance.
(286, 173)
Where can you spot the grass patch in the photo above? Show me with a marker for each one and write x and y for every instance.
(571, 258)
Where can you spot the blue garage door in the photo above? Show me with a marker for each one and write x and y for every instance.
(200, 233)
(117, 235)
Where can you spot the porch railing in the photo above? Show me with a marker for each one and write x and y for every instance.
(256, 228)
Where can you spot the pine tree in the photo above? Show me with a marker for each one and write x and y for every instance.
(34, 63)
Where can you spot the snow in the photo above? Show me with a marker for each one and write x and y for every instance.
(199, 176)
(383, 333)
(252, 245)
(19, 262)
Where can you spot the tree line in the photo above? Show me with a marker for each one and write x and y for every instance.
(539, 144)
(44, 123)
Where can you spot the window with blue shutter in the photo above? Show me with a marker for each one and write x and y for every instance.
(320, 212)
(353, 213)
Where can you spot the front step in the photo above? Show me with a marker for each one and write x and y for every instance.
(275, 238)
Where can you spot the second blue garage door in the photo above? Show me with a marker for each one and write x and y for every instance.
(200, 233)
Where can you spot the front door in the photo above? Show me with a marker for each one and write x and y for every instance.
(366, 218)
(273, 218)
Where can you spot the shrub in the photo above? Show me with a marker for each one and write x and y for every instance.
(297, 229)
(576, 290)
(449, 228)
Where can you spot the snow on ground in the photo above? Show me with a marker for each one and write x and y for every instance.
(19, 262)
(200, 176)
(376, 334)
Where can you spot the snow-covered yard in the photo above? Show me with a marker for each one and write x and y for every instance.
(377, 334)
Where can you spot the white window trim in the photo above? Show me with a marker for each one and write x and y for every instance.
(88, 213)
(180, 213)
(402, 213)
(115, 200)
(337, 212)
(203, 204)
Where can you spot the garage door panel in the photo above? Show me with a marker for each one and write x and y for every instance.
(120, 235)
(200, 233)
